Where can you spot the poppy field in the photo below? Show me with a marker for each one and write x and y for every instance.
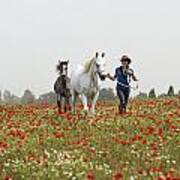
(38, 143)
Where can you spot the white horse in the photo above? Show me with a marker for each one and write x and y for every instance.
(86, 80)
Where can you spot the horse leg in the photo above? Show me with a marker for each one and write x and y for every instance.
(65, 104)
(74, 98)
(68, 103)
(94, 100)
(84, 101)
(59, 103)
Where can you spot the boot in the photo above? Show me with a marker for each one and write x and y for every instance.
(120, 109)
(124, 108)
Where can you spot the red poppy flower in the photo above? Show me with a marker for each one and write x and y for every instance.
(118, 176)
(90, 175)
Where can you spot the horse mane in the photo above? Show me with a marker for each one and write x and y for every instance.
(89, 64)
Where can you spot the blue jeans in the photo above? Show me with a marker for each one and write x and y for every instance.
(123, 95)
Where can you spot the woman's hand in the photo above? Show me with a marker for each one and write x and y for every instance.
(134, 78)
(110, 77)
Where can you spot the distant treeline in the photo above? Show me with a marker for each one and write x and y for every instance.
(106, 94)
(152, 93)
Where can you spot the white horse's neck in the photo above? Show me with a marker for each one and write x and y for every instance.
(93, 74)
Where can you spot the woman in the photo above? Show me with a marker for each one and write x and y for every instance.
(123, 74)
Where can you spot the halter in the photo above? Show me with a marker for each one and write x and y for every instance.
(98, 72)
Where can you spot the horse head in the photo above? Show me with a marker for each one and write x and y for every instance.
(62, 67)
(100, 63)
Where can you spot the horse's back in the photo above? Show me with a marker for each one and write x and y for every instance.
(76, 74)
(78, 70)
(80, 80)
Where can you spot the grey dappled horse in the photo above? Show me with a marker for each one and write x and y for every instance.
(62, 87)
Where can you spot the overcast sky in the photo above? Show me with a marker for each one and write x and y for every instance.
(34, 34)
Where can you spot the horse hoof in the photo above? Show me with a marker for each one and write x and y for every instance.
(86, 112)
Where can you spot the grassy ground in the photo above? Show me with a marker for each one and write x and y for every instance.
(38, 143)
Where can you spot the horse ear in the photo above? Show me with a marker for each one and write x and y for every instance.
(103, 54)
(68, 61)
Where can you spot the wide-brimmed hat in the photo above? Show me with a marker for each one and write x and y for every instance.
(125, 58)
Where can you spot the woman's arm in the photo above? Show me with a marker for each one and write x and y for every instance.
(111, 77)
(134, 78)
(132, 75)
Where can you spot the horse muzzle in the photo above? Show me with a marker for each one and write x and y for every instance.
(102, 76)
